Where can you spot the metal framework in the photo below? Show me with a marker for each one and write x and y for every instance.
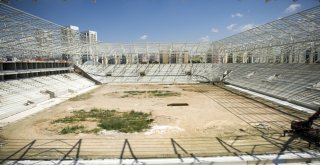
(25, 37)
(292, 39)
(134, 53)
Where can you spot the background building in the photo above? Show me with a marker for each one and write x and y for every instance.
(90, 38)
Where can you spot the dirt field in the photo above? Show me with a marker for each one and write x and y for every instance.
(216, 122)
(203, 116)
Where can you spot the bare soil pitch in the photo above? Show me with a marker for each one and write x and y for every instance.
(203, 116)
(216, 122)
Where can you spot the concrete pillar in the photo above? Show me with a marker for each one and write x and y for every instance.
(15, 66)
(128, 59)
(1, 70)
(312, 56)
(164, 58)
(29, 65)
(245, 57)
(117, 59)
(185, 57)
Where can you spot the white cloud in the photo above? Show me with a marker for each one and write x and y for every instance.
(247, 27)
(292, 8)
(237, 15)
(230, 27)
(204, 39)
(214, 30)
(144, 37)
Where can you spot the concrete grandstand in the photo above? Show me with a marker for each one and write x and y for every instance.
(46, 61)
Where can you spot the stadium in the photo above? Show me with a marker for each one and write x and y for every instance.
(251, 98)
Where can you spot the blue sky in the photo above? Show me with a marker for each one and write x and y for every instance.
(162, 20)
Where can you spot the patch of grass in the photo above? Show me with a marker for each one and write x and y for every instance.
(159, 93)
(152, 93)
(124, 96)
(127, 122)
(194, 90)
(72, 129)
(68, 119)
(135, 92)
(82, 97)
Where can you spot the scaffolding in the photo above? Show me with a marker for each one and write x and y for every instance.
(146, 53)
(292, 39)
(27, 37)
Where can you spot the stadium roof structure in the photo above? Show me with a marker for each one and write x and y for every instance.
(149, 48)
(300, 29)
(24, 35)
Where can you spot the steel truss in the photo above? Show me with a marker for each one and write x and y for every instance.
(25, 37)
(167, 53)
(292, 39)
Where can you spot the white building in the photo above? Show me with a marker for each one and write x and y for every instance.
(90, 36)
(76, 28)
(70, 34)
(70, 41)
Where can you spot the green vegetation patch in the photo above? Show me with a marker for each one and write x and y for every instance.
(152, 93)
(72, 129)
(193, 89)
(127, 122)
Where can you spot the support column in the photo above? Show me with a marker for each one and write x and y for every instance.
(15, 66)
(1, 70)
(312, 55)
(245, 57)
